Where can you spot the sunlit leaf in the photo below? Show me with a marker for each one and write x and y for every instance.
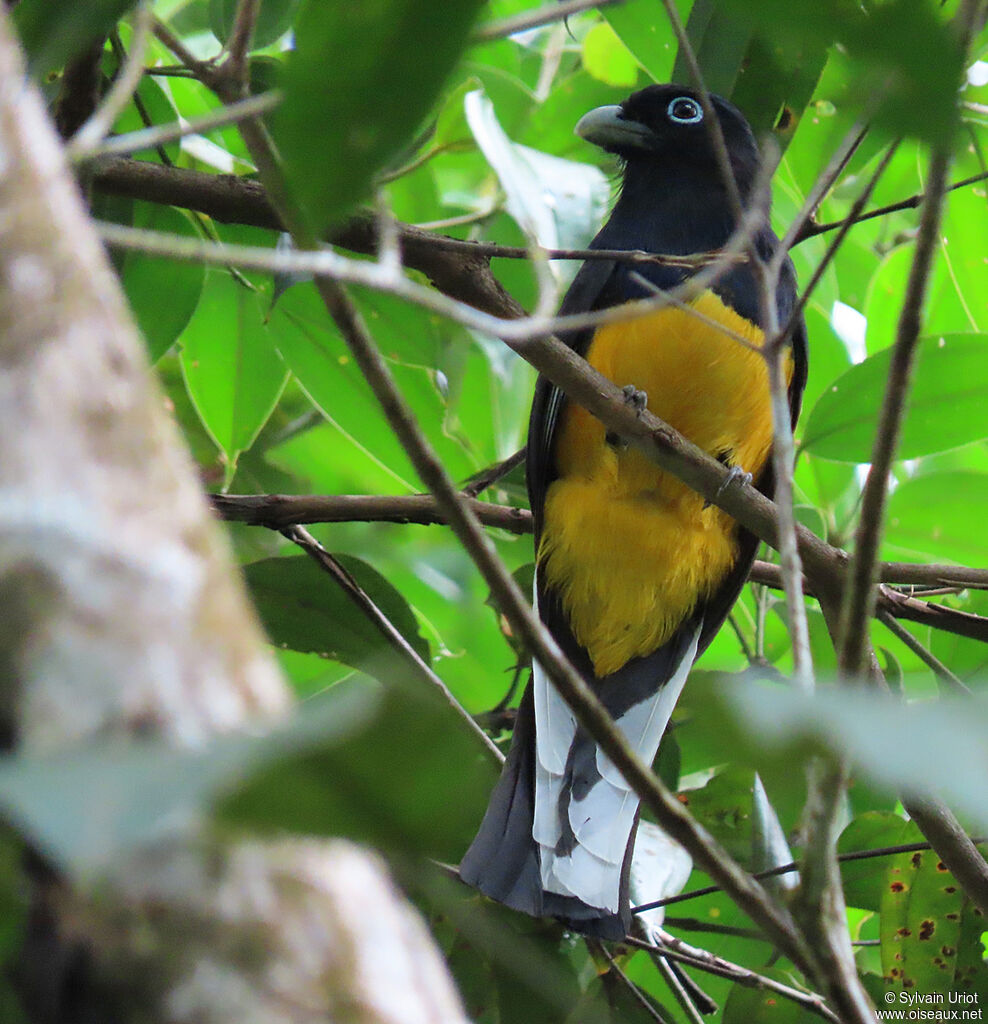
(931, 517)
(231, 368)
(944, 410)
(865, 880)
(921, 924)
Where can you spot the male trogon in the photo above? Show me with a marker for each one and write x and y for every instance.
(635, 573)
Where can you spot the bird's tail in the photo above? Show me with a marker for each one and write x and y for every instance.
(503, 860)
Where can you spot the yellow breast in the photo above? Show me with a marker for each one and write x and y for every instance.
(629, 548)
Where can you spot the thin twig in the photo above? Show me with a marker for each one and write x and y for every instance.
(161, 134)
(535, 19)
(490, 476)
(811, 230)
(674, 948)
(785, 869)
(947, 678)
(330, 564)
(326, 263)
(124, 86)
(598, 949)
(239, 42)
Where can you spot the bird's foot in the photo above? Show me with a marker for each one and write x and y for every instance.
(638, 400)
(736, 475)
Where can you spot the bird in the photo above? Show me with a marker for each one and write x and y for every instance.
(635, 572)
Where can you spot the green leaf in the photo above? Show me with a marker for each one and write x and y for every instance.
(865, 879)
(720, 39)
(231, 368)
(944, 410)
(932, 516)
(747, 1005)
(274, 19)
(914, 86)
(607, 58)
(647, 35)
(920, 925)
(54, 31)
(724, 807)
(304, 609)
(360, 82)
(156, 108)
(145, 279)
(409, 338)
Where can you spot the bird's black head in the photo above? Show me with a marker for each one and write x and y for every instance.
(661, 130)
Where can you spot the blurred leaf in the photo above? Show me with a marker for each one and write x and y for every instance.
(724, 807)
(775, 83)
(933, 747)
(720, 39)
(944, 409)
(232, 371)
(274, 18)
(155, 108)
(920, 927)
(88, 809)
(412, 781)
(54, 31)
(358, 85)
(303, 608)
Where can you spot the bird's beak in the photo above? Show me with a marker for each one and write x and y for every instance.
(608, 128)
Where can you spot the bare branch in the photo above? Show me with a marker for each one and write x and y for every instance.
(161, 134)
(950, 682)
(811, 230)
(674, 948)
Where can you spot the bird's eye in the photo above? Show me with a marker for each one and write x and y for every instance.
(684, 110)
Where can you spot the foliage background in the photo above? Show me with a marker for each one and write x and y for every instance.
(473, 138)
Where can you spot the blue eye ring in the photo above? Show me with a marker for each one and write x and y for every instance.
(695, 116)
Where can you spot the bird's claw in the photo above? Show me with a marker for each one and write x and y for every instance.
(635, 398)
(638, 400)
(736, 475)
